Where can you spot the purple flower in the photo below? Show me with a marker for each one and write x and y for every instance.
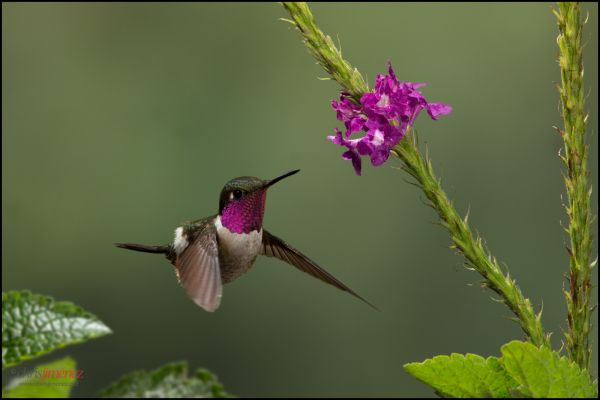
(384, 115)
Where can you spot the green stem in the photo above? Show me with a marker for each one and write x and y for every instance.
(325, 52)
(323, 49)
(576, 181)
(470, 245)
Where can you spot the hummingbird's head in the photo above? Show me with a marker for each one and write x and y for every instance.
(242, 202)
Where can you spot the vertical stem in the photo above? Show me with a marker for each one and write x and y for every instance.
(576, 181)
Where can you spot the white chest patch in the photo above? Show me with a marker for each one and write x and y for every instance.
(241, 247)
(180, 242)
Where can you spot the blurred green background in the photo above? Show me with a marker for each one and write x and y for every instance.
(119, 121)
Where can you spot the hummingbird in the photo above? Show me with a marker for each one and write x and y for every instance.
(210, 252)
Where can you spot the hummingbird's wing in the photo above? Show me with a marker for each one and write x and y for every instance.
(273, 246)
(198, 268)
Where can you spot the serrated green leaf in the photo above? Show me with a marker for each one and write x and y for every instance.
(33, 325)
(170, 380)
(53, 380)
(460, 375)
(541, 372)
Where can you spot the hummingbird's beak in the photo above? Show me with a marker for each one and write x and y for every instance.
(275, 180)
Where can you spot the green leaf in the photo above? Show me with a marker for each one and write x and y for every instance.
(460, 375)
(33, 325)
(170, 380)
(47, 380)
(541, 372)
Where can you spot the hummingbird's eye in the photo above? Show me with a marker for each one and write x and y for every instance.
(236, 194)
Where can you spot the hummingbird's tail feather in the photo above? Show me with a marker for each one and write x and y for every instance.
(144, 248)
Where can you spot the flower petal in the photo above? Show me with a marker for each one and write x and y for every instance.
(356, 163)
(436, 109)
(384, 114)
